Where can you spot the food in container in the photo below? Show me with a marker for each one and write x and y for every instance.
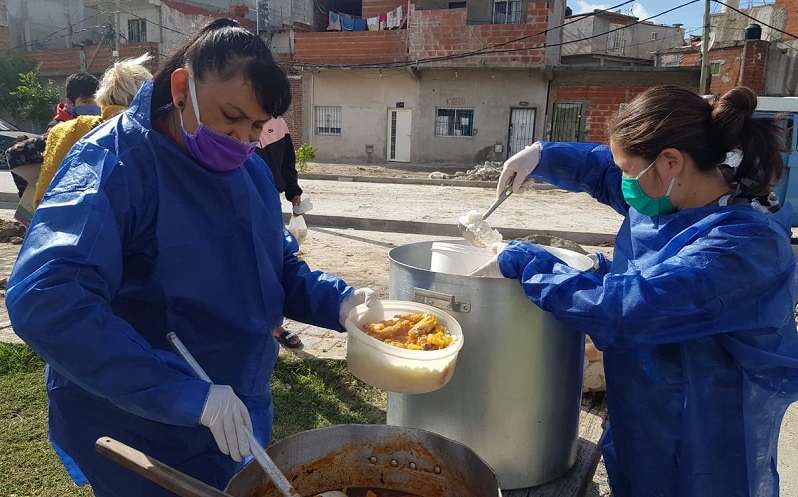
(398, 369)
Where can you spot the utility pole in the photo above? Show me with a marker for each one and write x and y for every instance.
(116, 32)
(706, 77)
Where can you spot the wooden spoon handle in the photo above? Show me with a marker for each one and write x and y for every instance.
(154, 470)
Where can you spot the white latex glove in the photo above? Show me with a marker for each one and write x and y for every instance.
(516, 169)
(359, 296)
(491, 268)
(228, 418)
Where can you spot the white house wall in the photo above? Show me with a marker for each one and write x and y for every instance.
(365, 98)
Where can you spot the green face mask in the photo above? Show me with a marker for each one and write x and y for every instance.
(640, 201)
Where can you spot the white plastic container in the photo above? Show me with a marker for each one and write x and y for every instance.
(392, 368)
(457, 258)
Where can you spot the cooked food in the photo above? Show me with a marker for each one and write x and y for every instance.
(411, 331)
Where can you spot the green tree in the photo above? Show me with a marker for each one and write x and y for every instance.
(304, 154)
(12, 64)
(35, 99)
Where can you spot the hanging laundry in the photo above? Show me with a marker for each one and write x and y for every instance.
(391, 20)
(383, 21)
(373, 23)
(334, 23)
(360, 25)
(347, 23)
(398, 14)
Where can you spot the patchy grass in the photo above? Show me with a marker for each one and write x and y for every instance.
(308, 393)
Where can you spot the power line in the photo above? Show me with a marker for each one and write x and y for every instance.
(491, 49)
(51, 36)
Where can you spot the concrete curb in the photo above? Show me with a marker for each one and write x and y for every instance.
(440, 229)
(409, 181)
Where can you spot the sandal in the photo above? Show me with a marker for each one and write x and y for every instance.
(289, 339)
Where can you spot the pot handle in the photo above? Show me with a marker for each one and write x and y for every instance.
(154, 470)
(440, 300)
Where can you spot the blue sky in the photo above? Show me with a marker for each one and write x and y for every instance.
(691, 16)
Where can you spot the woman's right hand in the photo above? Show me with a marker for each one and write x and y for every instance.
(517, 169)
(228, 419)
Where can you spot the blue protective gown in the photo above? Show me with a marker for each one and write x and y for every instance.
(135, 239)
(695, 319)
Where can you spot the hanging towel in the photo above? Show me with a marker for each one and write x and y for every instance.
(360, 25)
(334, 23)
(391, 20)
(347, 23)
(383, 21)
(373, 23)
(398, 14)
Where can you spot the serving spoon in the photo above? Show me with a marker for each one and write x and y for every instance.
(258, 453)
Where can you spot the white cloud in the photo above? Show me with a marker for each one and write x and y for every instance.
(637, 9)
(584, 7)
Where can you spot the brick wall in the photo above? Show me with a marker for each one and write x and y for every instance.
(601, 103)
(791, 10)
(293, 116)
(754, 63)
(351, 47)
(729, 76)
(65, 61)
(440, 33)
(373, 8)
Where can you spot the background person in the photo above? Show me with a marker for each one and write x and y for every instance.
(695, 312)
(118, 86)
(162, 220)
(277, 150)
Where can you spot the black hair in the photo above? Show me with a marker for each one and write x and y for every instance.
(225, 49)
(81, 84)
(673, 116)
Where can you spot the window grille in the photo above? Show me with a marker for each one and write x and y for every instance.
(328, 120)
(454, 122)
(507, 12)
(137, 31)
(616, 40)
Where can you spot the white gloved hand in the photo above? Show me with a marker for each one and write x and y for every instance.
(516, 169)
(359, 296)
(491, 268)
(228, 419)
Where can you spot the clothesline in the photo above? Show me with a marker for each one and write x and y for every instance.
(339, 21)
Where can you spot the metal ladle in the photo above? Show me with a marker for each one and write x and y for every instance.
(468, 234)
(258, 453)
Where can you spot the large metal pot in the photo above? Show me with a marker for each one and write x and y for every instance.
(515, 394)
(372, 456)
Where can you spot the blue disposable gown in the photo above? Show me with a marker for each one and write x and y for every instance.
(695, 319)
(135, 239)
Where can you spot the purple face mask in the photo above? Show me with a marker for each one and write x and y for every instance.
(215, 151)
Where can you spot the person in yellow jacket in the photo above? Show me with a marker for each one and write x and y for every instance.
(118, 86)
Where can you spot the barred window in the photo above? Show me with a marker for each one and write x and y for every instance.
(328, 120)
(137, 31)
(454, 122)
(507, 12)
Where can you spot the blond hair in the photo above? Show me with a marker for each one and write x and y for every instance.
(122, 81)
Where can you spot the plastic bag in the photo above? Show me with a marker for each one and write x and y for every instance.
(298, 228)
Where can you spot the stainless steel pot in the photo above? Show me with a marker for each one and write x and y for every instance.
(516, 391)
(372, 456)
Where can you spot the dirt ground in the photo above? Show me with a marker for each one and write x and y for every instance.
(361, 257)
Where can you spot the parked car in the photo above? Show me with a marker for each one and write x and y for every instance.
(8, 136)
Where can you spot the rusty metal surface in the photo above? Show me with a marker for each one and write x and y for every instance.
(373, 456)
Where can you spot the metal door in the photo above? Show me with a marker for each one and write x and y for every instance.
(522, 129)
(399, 135)
(566, 125)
